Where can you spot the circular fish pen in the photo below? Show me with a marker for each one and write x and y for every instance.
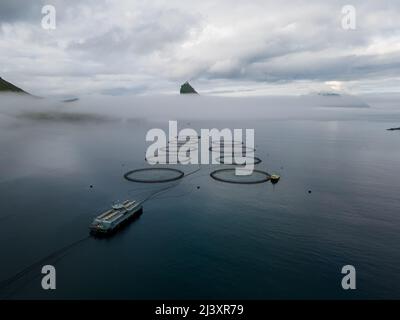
(173, 155)
(168, 160)
(231, 160)
(154, 175)
(233, 150)
(176, 149)
(180, 140)
(177, 144)
(229, 176)
(184, 137)
(228, 143)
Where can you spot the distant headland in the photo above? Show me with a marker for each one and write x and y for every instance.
(6, 86)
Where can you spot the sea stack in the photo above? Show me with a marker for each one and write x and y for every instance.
(186, 88)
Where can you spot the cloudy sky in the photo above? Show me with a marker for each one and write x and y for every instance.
(223, 47)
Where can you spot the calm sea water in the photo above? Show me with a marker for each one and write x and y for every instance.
(217, 241)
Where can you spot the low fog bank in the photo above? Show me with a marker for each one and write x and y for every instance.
(109, 108)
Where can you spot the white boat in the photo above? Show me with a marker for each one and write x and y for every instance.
(119, 214)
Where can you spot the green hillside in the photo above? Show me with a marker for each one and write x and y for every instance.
(6, 86)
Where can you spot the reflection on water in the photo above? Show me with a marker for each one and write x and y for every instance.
(62, 164)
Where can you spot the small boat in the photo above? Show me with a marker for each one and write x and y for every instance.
(274, 178)
(119, 214)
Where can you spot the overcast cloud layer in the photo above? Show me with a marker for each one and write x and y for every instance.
(223, 47)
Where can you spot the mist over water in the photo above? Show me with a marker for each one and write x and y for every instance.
(61, 164)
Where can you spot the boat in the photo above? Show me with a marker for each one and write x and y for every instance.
(274, 178)
(110, 221)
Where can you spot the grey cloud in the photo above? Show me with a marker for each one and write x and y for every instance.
(100, 46)
(148, 33)
(20, 10)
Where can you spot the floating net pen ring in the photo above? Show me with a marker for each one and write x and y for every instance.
(186, 138)
(257, 176)
(232, 150)
(228, 143)
(173, 149)
(181, 138)
(174, 143)
(156, 160)
(139, 175)
(254, 160)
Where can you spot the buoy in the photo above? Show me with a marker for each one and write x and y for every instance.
(274, 178)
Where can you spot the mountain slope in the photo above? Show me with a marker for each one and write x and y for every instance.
(6, 86)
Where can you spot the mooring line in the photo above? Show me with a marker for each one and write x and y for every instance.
(5, 283)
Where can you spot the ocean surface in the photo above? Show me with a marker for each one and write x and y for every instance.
(337, 203)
